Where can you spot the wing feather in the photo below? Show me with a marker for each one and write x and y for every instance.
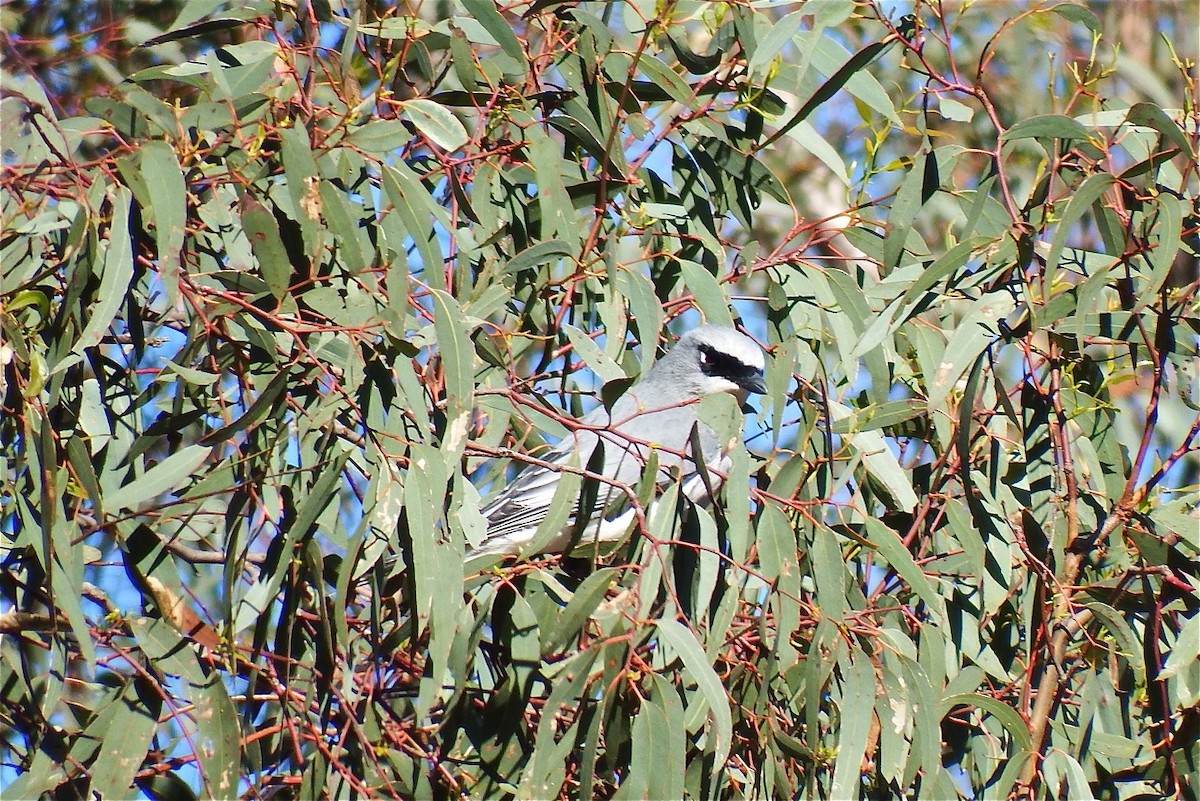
(514, 515)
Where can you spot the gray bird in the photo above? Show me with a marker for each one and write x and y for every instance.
(659, 411)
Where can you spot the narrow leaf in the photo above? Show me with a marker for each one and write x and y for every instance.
(684, 643)
(380, 136)
(265, 240)
(836, 81)
(436, 122)
(458, 366)
(116, 276)
(164, 476)
(1005, 714)
(485, 13)
(163, 179)
(133, 722)
(1048, 126)
(857, 710)
(894, 551)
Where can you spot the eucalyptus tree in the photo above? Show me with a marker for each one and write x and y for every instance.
(291, 289)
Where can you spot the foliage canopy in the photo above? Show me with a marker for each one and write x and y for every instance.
(287, 287)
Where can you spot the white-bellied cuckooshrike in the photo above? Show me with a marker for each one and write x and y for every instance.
(658, 412)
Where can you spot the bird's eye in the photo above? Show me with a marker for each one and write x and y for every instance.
(704, 357)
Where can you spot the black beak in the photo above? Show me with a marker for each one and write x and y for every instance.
(753, 384)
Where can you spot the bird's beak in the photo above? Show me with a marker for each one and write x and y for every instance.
(754, 384)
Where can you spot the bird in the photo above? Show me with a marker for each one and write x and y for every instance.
(658, 412)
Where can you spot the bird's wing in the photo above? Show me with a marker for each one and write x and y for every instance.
(525, 503)
(514, 515)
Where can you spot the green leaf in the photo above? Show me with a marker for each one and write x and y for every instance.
(578, 610)
(737, 505)
(879, 461)
(707, 291)
(1005, 714)
(779, 554)
(1128, 645)
(909, 200)
(116, 275)
(437, 565)
(1154, 117)
(263, 232)
(777, 36)
(1048, 126)
(806, 135)
(537, 255)
(67, 577)
(953, 110)
(669, 742)
(123, 117)
(1082, 199)
(587, 350)
(1062, 772)
(126, 732)
(892, 549)
(954, 259)
(586, 134)
(166, 202)
(303, 189)
(1165, 241)
(213, 727)
(857, 711)
(380, 136)
(695, 63)
(1077, 13)
(877, 416)
(546, 158)
(566, 495)
(262, 406)
(647, 311)
(1183, 662)
(206, 26)
(354, 249)
(485, 13)
(418, 213)
(547, 768)
(436, 122)
(165, 476)
(969, 337)
(829, 573)
(830, 88)
(684, 643)
(665, 79)
(458, 364)
(827, 13)
(635, 784)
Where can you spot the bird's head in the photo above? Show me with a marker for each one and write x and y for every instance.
(715, 358)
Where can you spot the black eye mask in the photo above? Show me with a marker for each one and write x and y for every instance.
(716, 364)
